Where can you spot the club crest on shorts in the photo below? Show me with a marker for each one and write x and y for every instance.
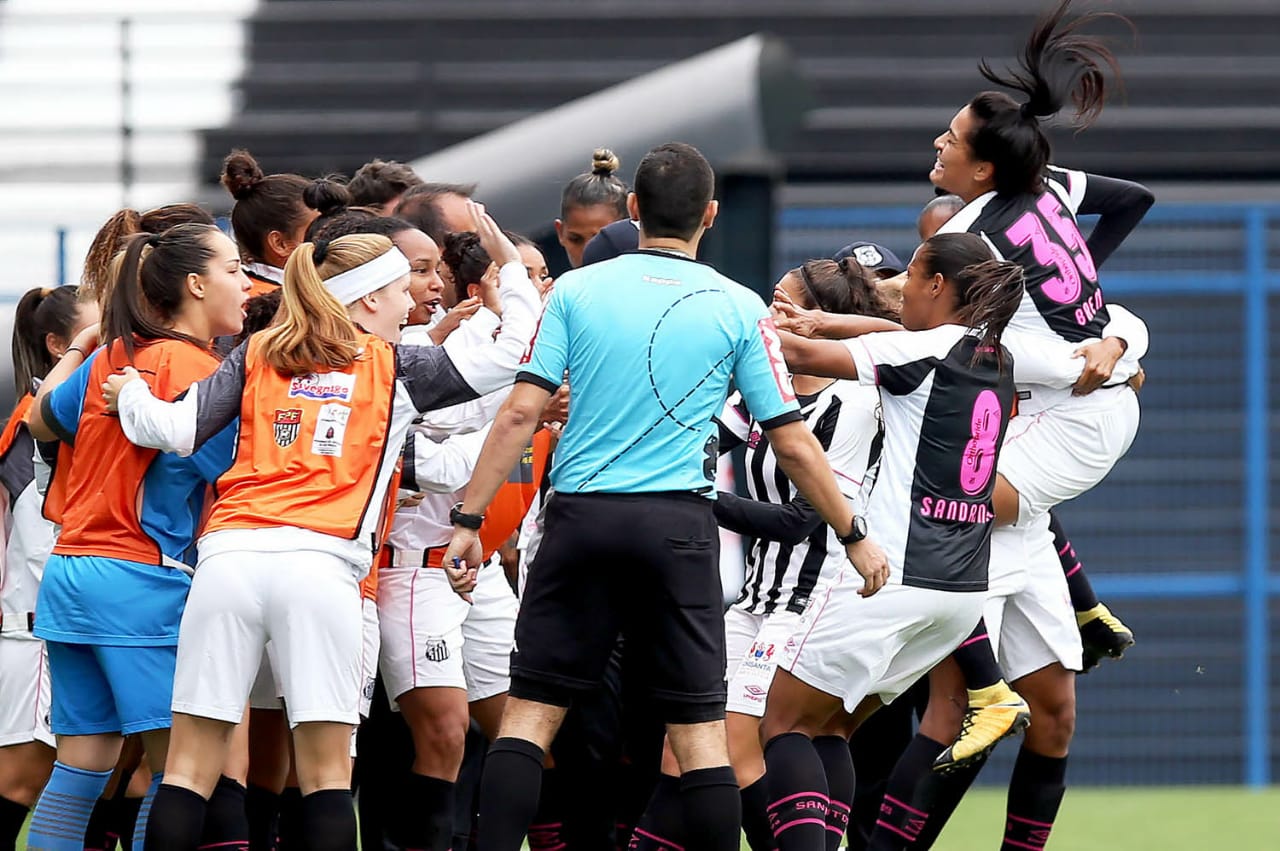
(287, 423)
(369, 685)
(436, 650)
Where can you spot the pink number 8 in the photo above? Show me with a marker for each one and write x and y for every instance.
(979, 459)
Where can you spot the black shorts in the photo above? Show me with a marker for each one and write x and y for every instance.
(643, 565)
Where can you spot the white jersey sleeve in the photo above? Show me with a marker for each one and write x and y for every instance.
(440, 466)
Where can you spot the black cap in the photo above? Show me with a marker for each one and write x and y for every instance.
(873, 256)
(612, 240)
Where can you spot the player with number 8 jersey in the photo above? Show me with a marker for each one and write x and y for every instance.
(946, 390)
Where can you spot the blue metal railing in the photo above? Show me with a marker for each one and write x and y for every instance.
(1251, 277)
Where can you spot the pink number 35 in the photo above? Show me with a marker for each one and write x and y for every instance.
(1070, 258)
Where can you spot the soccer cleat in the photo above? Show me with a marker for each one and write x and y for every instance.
(1103, 635)
(994, 713)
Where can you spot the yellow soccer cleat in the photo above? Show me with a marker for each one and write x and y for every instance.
(1103, 635)
(995, 712)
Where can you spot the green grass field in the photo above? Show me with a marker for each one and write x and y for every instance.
(1120, 819)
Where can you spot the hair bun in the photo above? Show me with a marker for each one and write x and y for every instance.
(241, 173)
(326, 195)
(604, 162)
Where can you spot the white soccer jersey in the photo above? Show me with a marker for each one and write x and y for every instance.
(944, 421)
(845, 419)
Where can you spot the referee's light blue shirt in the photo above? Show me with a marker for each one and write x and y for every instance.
(651, 341)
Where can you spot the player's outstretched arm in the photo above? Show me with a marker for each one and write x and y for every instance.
(801, 458)
(826, 358)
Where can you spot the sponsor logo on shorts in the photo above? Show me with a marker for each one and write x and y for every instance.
(322, 386)
(755, 692)
(368, 688)
(753, 439)
(436, 650)
(287, 423)
(760, 650)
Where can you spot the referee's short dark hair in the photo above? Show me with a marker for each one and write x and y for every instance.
(673, 185)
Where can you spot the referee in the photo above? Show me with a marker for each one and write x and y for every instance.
(651, 341)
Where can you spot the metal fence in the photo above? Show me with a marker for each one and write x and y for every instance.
(1178, 538)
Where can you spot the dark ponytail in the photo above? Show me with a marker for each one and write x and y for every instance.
(844, 286)
(988, 291)
(1058, 64)
(596, 187)
(41, 312)
(151, 285)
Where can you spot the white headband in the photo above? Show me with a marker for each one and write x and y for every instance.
(368, 277)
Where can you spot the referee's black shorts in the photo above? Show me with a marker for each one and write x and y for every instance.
(645, 565)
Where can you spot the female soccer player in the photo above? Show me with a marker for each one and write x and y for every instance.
(995, 156)
(590, 201)
(114, 588)
(946, 388)
(271, 214)
(45, 322)
(324, 400)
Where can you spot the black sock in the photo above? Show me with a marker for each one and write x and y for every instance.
(1035, 793)
(289, 825)
(797, 791)
(755, 817)
(977, 660)
(329, 820)
(547, 829)
(837, 762)
(176, 820)
(95, 835)
(12, 816)
(424, 819)
(225, 823)
(122, 818)
(901, 815)
(509, 793)
(712, 808)
(262, 809)
(1082, 597)
(661, 825)
(940, 794)
(876, 746)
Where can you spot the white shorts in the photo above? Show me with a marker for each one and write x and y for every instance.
(1058, 454)
(371, 637)
(489, 633)
(266, 692)
(420, 618)
(1028, 612)
(24, 691)
(431, 638)
(307, 604)
(753, 646)
(851, 646)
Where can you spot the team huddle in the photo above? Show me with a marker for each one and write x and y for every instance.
(361, 510)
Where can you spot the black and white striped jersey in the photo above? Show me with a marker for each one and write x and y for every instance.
(944, 421)
(1039, 233)
(781, 574)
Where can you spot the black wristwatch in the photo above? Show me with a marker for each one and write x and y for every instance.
(468, 521)
(856, 533)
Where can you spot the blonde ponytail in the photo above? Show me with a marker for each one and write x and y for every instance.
(312, 330)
